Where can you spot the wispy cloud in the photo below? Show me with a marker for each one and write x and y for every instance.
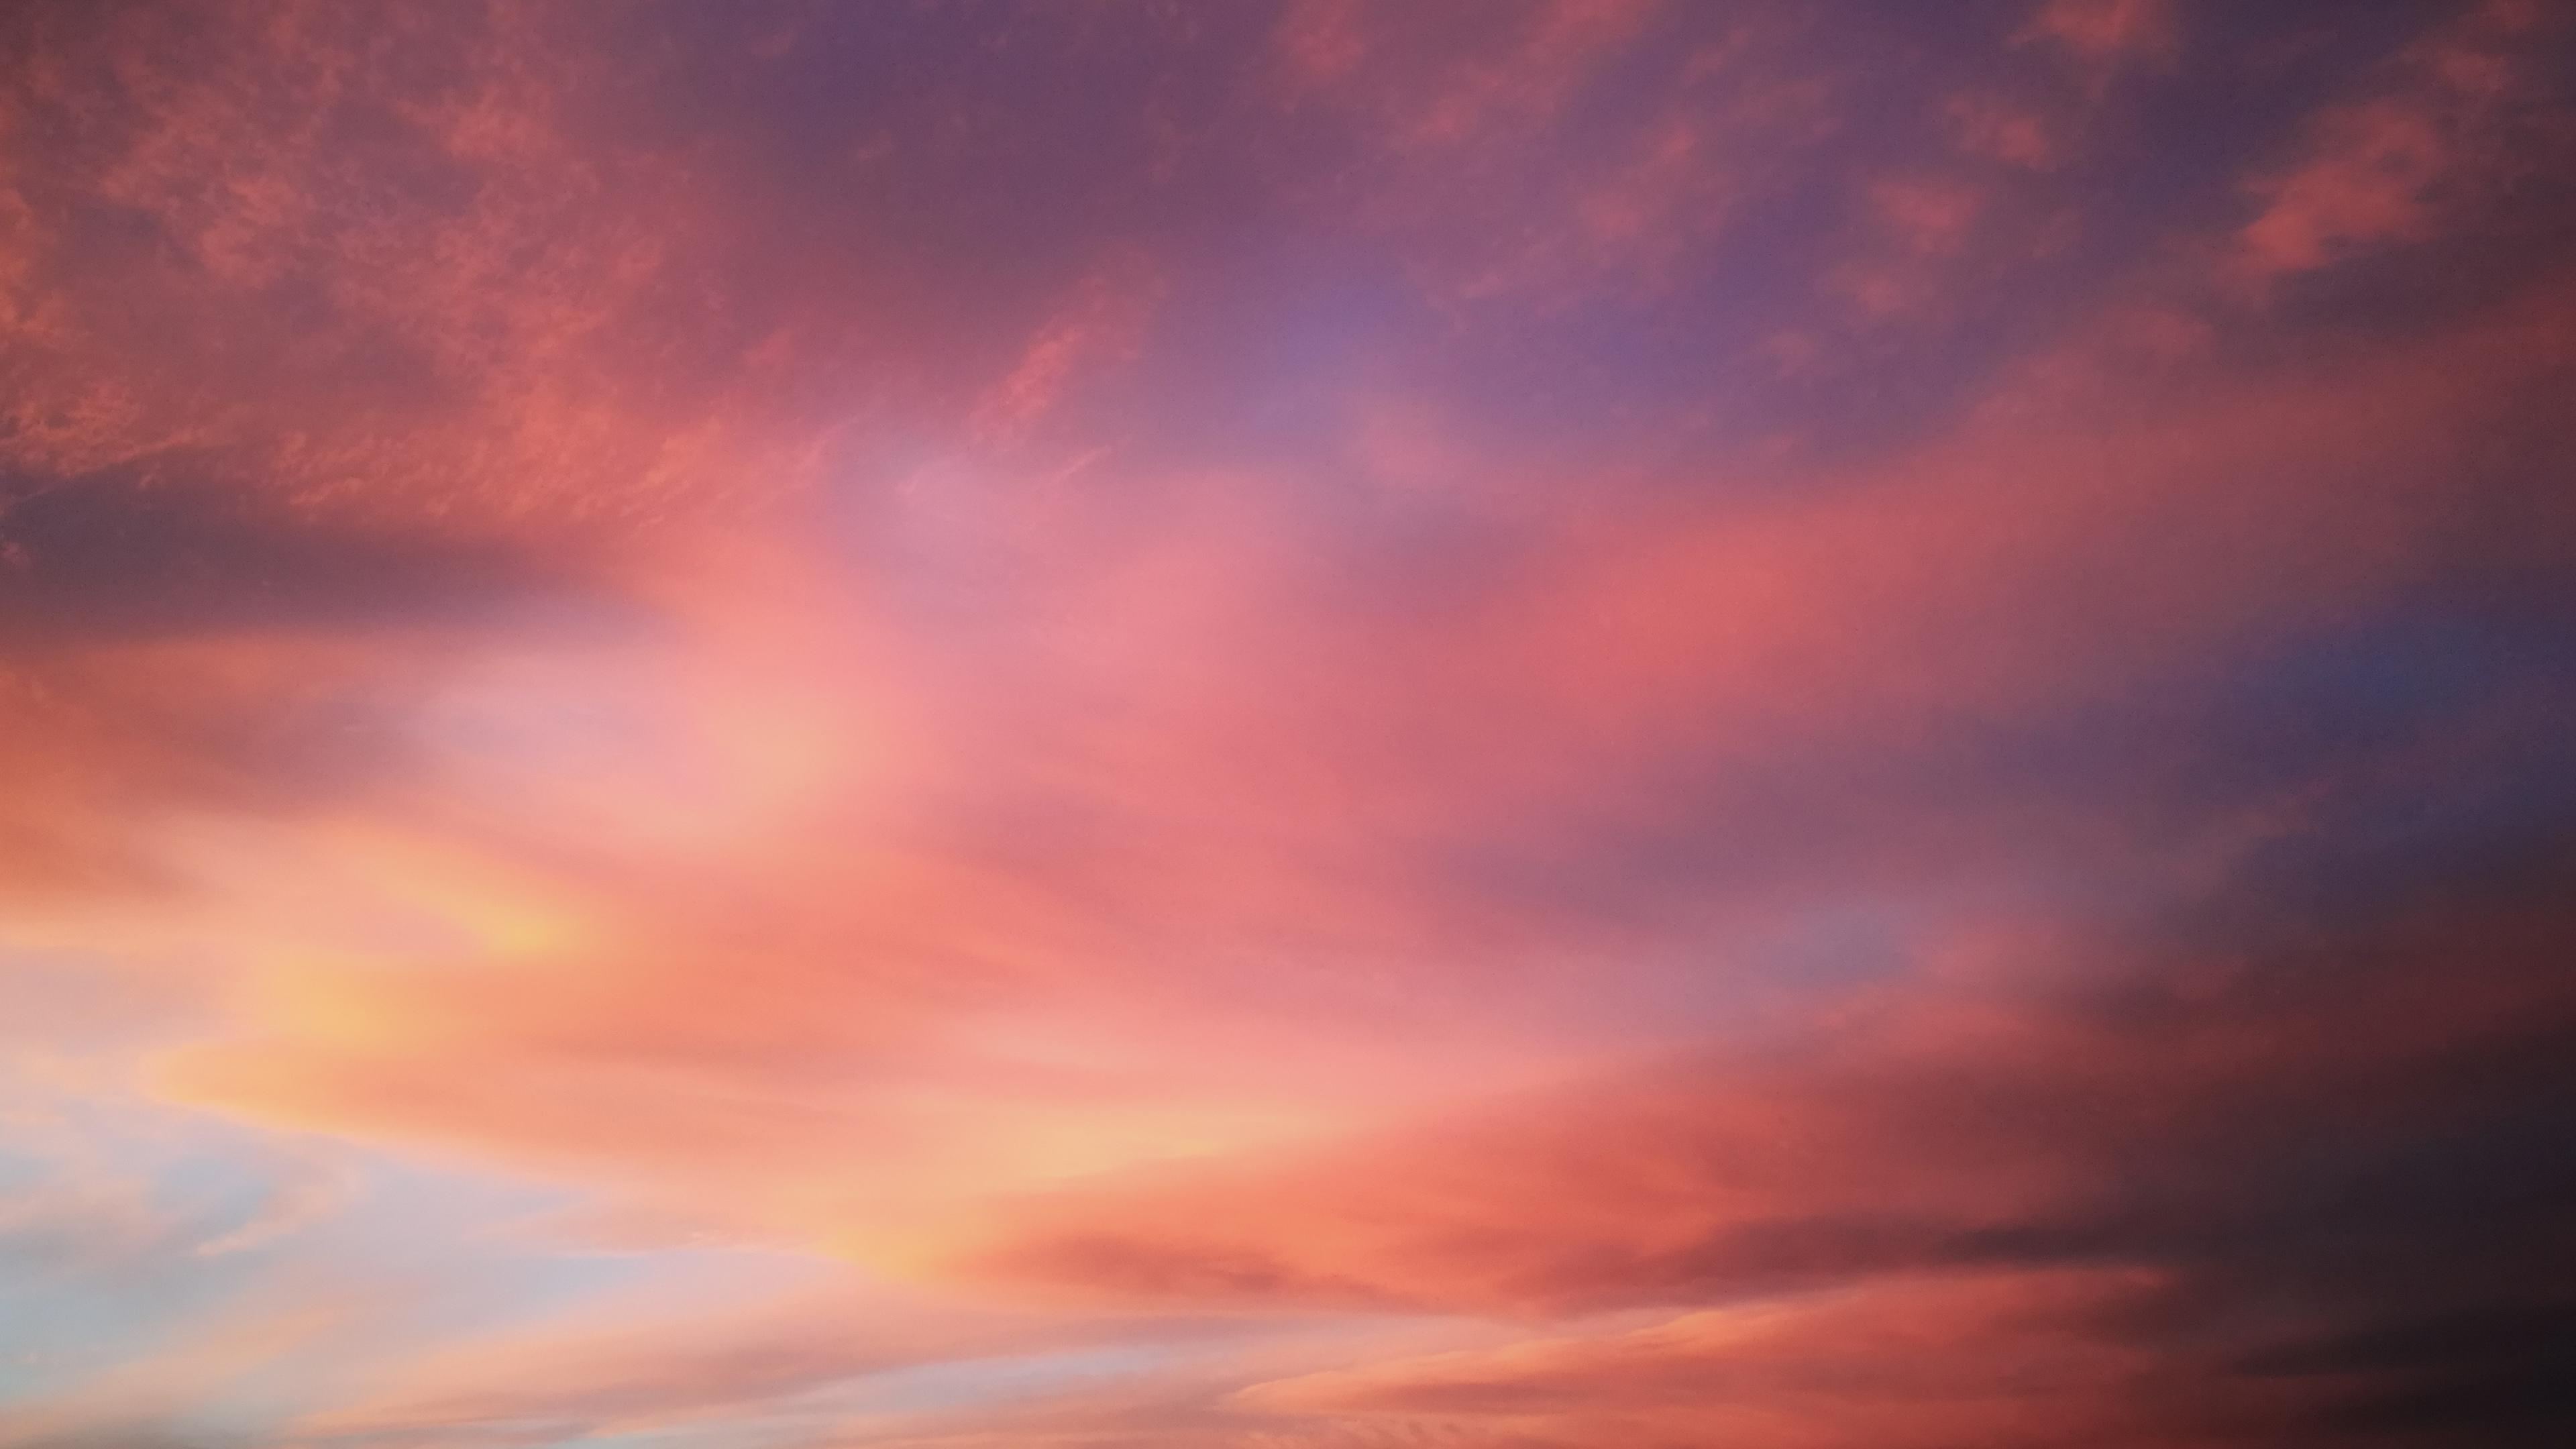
(1331, 725)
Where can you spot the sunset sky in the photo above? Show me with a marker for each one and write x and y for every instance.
(1571, 725)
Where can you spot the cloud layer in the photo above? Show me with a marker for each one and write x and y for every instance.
(1547, 726)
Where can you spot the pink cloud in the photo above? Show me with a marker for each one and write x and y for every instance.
(1099, 327)
(1020, 1021)
(1990, 126)
(1998, 1358)
(1928, 214)
(2107, 31)
(1938, 1126)
(2434, 145)
(1268, 711)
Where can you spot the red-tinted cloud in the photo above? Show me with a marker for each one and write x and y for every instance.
(1541, 726)
(2459, 119)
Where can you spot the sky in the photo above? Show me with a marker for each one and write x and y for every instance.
(1538, 724)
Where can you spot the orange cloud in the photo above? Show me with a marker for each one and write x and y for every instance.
(2002, 1358)
(2090, 1113)
(875, 1017)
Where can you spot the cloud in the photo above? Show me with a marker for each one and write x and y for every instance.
(2017, 569)
(1484, 113)
(1173, 715)
(151, 1397)
(2449, 128)
(1098, 327)
(2004, 1358)
(2107, 31)
(363, 270)
(2098, 1185)
(1990, 126)
(801, 1362)
(2131, 1124)
(1510, 76)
